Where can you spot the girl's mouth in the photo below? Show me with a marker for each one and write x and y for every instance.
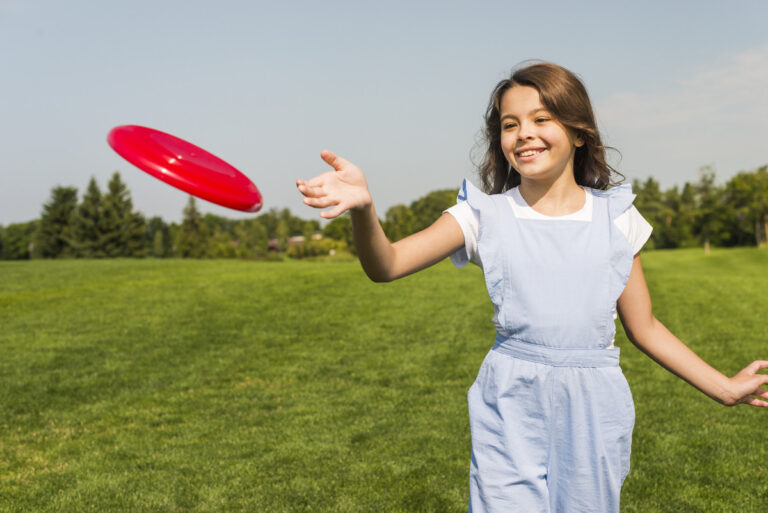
(529, 155)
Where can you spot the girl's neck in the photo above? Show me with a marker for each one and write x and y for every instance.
(558, 198)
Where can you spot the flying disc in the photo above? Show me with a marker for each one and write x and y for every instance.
(185, 166)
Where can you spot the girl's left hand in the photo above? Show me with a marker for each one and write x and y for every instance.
(748, 383)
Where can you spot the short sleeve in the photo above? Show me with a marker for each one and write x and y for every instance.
(634, 227)
(467, 219)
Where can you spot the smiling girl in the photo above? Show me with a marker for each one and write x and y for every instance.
(551, 414)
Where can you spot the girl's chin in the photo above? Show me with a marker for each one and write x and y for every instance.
(533, 165)
(532, 172)
(531, 169)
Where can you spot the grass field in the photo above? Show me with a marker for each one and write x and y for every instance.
(165, 386)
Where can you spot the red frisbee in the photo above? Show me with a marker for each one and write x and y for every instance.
(185, 166)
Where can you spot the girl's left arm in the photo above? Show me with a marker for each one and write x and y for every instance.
(655, 340)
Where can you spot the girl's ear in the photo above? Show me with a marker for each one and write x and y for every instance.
(578, 141)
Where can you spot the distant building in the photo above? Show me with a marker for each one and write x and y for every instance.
(295, 240)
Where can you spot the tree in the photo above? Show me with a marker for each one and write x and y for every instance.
(17, 239)
(747, 192)
(684, 218)
(53, 235)
(158, 245)
(428, 208)
(269, 221)
(399, 222)
(252, 239)
(192, 237)
(670, 199)
(87, 223)
(173, 237)
(158, 238)
(214, 224)
(122, 229)
(296, 225)
(221, 244)
(650, 202)
(282, 232)
(309, 230)
(708, 207)
(341, 229)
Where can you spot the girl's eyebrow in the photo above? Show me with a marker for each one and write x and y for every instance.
(533, 112)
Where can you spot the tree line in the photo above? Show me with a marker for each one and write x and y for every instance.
(704, 214)
(105, 225)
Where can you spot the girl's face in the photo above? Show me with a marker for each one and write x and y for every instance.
(537, 145)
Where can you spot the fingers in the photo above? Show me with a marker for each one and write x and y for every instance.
(333, 160)
(319, 202)
(751, 389)
(317, 198)
(322, 190)
(334, 212)
(753, 368)
(757, 365)
(309, 190)
(756, 397)
(755, 402)
(320, 179)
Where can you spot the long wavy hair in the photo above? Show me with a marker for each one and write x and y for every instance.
(566, 98)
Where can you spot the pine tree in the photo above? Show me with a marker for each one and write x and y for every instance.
(158, 238)
(709, 207)
(86, 223)
(53, 235)
(650, 202)
(192, 237)
(122, 229)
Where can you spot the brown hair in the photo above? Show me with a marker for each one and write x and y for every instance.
(566, 98)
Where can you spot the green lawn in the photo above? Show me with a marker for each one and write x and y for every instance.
(154, 385)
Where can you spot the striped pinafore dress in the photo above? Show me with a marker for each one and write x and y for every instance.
(551, 414)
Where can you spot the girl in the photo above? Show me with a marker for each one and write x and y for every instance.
(551, 414)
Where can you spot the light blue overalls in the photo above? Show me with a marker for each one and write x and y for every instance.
(551, 414)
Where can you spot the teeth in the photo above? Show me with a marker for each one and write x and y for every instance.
(529, 153)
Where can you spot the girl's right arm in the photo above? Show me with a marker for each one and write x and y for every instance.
(344, 189)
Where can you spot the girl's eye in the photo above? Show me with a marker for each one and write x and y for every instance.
(509, 125)
(542, 120)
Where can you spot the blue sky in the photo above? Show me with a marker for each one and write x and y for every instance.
(397, 87)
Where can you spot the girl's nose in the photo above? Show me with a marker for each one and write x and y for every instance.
(525, 132)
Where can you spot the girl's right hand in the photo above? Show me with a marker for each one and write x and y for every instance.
(344, 188)
(749, 383)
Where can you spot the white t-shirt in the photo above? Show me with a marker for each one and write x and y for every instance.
(634, 227)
